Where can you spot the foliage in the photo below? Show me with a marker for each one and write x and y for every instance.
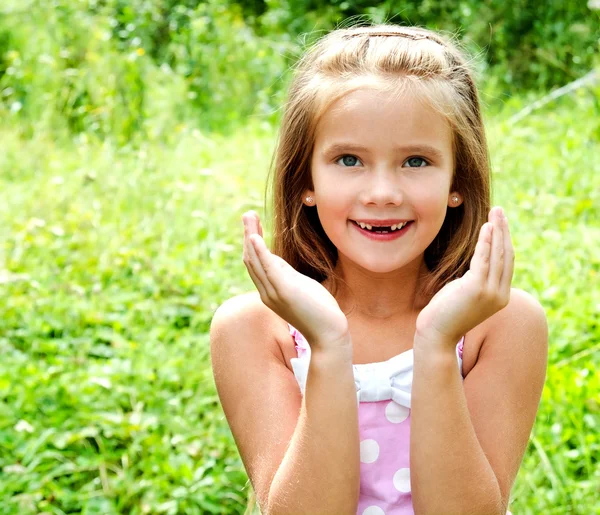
(108, 275)
(527, 45)
(121, 234)
(136, 70)
(113, 260)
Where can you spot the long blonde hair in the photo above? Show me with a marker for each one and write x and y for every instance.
(397, 59)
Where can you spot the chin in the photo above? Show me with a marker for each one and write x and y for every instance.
(376, 267)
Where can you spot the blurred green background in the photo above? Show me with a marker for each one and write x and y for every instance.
(134, 134)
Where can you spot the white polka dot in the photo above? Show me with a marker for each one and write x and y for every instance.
(373, 510)
(396, 413)
(369, 451)
(402, 480)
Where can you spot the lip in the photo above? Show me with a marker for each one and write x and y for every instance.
(382, 237)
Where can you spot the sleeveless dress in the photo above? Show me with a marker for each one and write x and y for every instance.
(383, 393)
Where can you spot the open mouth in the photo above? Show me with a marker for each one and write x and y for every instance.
(382, 229)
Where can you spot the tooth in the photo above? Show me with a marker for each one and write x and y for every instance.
(361, 225)
(369, 226)
(394, 227)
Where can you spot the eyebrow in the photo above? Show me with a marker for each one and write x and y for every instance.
(408, 149)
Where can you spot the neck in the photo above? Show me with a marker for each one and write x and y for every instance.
(379, 296)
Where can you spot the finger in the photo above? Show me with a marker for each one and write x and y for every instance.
(497, 250)
(254, 221)
(247, 256)
(509, 261)
(480, 261)
(253, 263)
(269, 266)
(259, 225)
(257, 282)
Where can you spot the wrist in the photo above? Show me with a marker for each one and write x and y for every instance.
(338, 348)
(433, 342)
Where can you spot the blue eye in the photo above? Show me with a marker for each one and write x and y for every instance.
(416, 162)
(349, 160)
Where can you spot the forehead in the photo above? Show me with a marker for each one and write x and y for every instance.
(376, 117)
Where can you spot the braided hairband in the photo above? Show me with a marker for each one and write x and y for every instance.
(414, 37)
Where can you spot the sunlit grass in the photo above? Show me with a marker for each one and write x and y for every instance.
(113, 260)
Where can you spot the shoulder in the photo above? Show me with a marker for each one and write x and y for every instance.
(236, 309)
(246, 308)
(526, 305)
(237, 320)
(522, 320)
(504, 387)
(523, 315)
(517, 332)
(260, 397)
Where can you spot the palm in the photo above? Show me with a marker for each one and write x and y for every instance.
(307, 304)
(485, 289)
(296, 298)
(447, 314)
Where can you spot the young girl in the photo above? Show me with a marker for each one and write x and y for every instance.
(384, 366)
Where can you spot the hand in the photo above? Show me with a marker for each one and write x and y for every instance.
(485, 289)
(296, 298)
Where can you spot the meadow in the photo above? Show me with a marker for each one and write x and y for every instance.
(114, 258)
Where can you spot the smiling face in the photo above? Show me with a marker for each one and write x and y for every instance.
(383, 162)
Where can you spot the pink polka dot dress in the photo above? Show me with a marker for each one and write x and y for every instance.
(383, 393)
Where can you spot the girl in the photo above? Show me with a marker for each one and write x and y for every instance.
(384, 366)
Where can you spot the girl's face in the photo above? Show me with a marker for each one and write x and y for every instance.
(382, 162)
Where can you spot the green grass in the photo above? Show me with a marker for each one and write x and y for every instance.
(113, 261)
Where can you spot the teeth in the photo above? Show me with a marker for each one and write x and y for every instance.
(393, 228)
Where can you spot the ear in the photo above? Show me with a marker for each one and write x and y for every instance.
(308, 198)
(454, 199)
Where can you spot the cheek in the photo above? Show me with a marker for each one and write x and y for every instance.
(334, 196)
(333, 210)
(433, 204)
(433, 196)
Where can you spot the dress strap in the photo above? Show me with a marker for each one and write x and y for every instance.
(460, 347)
(302, 347)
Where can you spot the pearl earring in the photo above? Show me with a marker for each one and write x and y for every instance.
(309, 200)
(455, 199)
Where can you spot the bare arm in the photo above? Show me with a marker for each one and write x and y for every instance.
(449, 470)
(468, 440)
(320, 470)
(301, 454)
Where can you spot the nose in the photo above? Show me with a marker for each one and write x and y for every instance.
(383, 187)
